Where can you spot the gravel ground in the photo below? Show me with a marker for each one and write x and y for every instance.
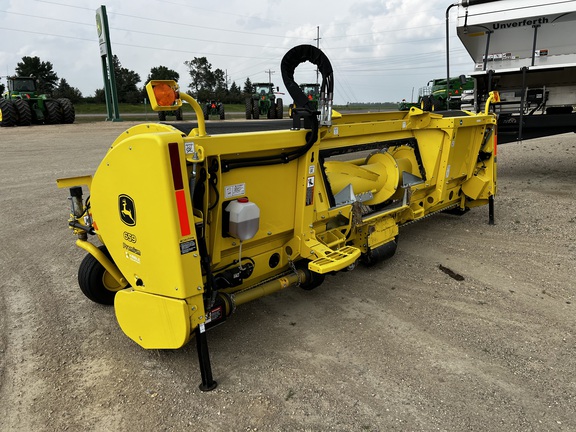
(403, 346)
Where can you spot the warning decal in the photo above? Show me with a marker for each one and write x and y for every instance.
(310, 191)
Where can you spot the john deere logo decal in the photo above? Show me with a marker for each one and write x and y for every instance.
(127, 210)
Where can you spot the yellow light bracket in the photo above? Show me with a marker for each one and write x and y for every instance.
(164, 95)
(494, 97)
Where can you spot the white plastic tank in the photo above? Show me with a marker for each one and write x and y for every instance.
(244, 219)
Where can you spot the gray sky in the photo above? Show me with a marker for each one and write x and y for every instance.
(381, 50)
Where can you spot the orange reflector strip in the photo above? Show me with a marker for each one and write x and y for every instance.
(183, 213)
(178, 182)
(165, 95)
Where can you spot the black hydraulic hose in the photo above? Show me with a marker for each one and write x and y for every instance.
(301, 54)
(290, 61)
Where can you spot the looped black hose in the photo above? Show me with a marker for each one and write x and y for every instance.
(301, 54)
(288, 65)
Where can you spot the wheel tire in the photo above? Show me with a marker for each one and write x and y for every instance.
(271, 112)
(24, 112)
(313, 279)
(8, 110)
(426, 104)
(248, 109)
(68, 112)
(256, 110)
(179, 115)
(381, 253)
(162, 115)
(221, 112)
(95, 282)
(279, 108)
(53, 114)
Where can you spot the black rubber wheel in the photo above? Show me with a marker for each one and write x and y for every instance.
(256, 110)
(381, 253)
(68, 112)
(426, 104)
(53, 114)
(279, 108)
(9, 114)
(179, 115)
(95, 282)
(162, 115)
(221, 112)
(271, 111)
(312, 279)
(24, 112)
(248, 109)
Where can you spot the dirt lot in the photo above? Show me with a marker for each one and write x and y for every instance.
(399, 347)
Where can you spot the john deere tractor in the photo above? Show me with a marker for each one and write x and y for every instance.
(263, 102)
(312, 92)
(214, 108)
(21, 105)
(433, 97)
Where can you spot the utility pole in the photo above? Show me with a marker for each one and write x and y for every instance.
(317, 46)
(270, 72)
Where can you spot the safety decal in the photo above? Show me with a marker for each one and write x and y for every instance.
(235, 190)
(310, 191)
(187, 247)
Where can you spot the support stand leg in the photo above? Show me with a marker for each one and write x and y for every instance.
(208, 382)
(491, 210)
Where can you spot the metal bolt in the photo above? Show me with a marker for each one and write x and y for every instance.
(199, 288)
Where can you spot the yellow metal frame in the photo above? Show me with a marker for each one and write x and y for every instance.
(159, 195)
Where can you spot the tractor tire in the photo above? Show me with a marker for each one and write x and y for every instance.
(271, 112)
(426, 103)
(248, 109)
(68, 112)
(95, 282)
(256, 110)
(279, 108)
(221, 112)
(162, 115)
(205, 112)
(24, 112)
(179, 115)
(8, 113)
(53, 114)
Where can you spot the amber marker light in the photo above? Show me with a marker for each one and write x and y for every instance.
(165, 95)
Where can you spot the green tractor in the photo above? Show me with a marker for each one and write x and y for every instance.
(264, 102)
(312, 92)
(213, 108)
(21, 105)
(433, 96)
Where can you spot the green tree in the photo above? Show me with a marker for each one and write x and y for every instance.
(247, 90)
(42, 71)
(64, 90)
(126, 83)
(203, 79)
(235, 94)
(220, 85)
(160, 73)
